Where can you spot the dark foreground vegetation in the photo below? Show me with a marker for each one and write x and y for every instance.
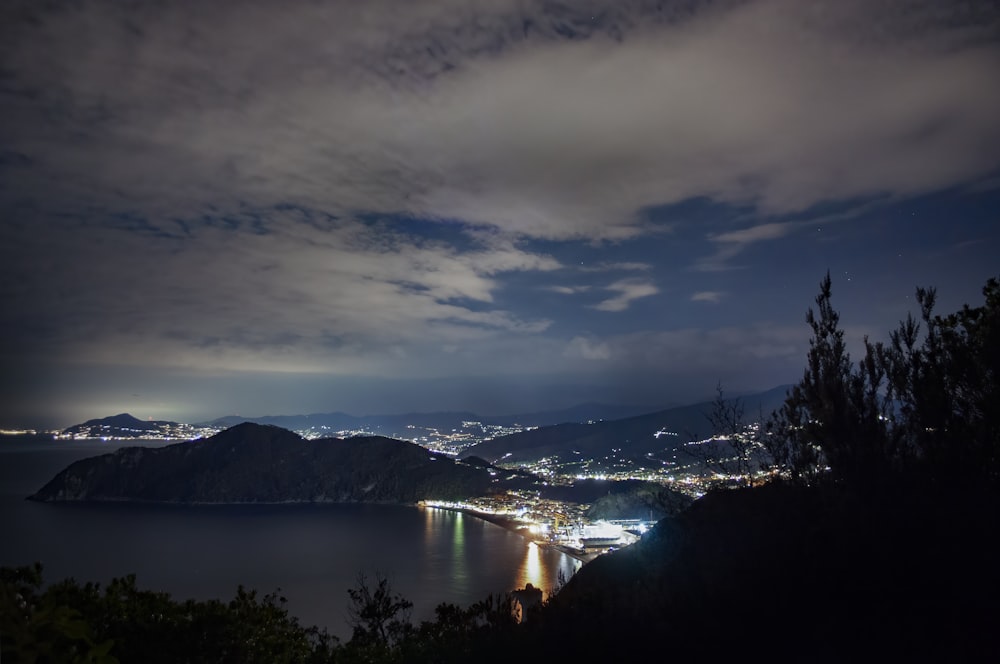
(876, 538)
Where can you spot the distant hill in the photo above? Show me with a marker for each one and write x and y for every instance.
(253, 463)
(655, 434)
(118, 426)
(396, 424)
(587, 412)
(338, 421)
(407, 426)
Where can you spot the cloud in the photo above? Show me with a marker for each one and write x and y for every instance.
(568, 290)
(753, 234)
(342, 297)
(370, 188)
(986, 184)
(710, 351)
(708, 296)
(732, 243)
(621, 266)
(457, 111)
(588, 349)
(628, 290)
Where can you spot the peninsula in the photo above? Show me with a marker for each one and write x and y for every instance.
(254, 463)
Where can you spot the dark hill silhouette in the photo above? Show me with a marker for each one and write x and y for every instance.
(122, 425)
(387, 423)
(636, 436)
(830, 562)
(338, 421)
(878, 543)
(255, 463)
(796, 574)
(642, 500)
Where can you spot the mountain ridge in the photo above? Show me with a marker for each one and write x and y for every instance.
(649, 434)
(122, 425)
(342, 420)
(254, 463)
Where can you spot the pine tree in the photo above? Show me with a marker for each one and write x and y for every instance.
(923, 406)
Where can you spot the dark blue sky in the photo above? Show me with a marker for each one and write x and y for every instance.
(264, 208)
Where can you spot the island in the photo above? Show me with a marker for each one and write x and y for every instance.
(255, 463)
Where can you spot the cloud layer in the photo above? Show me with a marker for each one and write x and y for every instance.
(460, 187)
(487, 113)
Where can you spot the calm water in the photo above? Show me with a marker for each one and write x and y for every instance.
(313, 553)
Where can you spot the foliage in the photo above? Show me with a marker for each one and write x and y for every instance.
(378, 616)
(33, 627)
(735, 450)
(479, 632)
(947, 388)
(643, 500)
(88, 623)
(920, 408)
(912, 571)
(85, 623)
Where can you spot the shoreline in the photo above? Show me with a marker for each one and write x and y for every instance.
(511, 525)
(504, 522)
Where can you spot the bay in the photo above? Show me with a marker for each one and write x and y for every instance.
(312, 553)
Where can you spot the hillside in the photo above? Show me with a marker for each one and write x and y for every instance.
(399, 422)
(252, 463)
(877, 538)
(122, 425)
(642, 500)
(659, 434)
(793, 574)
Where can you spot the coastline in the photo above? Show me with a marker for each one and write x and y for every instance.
(511, 525)
(496, 519)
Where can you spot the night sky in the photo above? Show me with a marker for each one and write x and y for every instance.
(254, 208)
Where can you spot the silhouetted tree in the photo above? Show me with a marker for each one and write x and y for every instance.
(923, 405)
(379, 617)
(73, 622)
(944, 380)
(34, 628)
(736, 449)
(483, 631)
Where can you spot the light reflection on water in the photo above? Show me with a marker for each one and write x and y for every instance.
(313, 553)
(541, 566)
(460, 573)
(531, 569)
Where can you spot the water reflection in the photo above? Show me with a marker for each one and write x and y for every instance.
(531, 568)
(430, 528)
(545, 568)
(312, 553)
(458, 540)
(467, 548)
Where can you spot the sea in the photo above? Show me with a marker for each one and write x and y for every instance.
(310, 554)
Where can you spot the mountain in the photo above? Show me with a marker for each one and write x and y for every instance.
(395, 424)
(658, 434)
(253, 463)
(428, 428)
(587, 412)
(335, 421)
(122, 425)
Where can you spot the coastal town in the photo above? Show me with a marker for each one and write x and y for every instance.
(567, 525)
(562, 525)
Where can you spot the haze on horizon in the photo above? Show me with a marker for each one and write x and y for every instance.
(494, 205)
